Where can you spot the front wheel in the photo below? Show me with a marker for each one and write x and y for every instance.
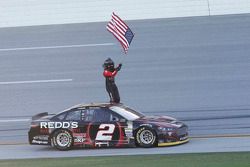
(146, 137)
(62, 140)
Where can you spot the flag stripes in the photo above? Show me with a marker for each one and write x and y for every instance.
(121, 31)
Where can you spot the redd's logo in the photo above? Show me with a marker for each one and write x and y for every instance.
(59, 125)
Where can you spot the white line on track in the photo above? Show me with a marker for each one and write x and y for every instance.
(14, 120)
(55, 47)
(36, 81)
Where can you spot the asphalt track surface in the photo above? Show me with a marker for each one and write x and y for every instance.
(194, 69)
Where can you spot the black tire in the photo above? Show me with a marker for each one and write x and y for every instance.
(62, 140)
(146, 137)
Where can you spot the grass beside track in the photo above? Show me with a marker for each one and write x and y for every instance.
(176, 160)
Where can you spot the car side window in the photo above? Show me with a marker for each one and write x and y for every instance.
(88, 115)
(74, 115)
(102, 115)
(96, 114)
(60, 117)
(115, 117)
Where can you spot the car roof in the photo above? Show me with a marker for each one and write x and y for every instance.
(84, 106)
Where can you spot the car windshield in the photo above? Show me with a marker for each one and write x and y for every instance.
(126, 112)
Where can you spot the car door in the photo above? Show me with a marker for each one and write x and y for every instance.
(105, 128)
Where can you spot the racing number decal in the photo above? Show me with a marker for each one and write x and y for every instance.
(105, 135)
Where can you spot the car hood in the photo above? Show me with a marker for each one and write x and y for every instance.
(164, 121)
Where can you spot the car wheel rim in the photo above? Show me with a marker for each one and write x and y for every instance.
(146, 137)
(62, 139)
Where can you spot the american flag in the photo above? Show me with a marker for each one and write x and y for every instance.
(121, 31)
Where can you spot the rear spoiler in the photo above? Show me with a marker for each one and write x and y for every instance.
(40, 115)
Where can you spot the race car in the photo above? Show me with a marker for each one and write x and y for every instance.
(105, 125)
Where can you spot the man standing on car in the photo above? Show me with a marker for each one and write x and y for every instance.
(109, 73)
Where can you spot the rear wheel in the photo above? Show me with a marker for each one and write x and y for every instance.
(146, 137)
(62, 140)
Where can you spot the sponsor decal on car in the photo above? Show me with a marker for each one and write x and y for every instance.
(41, 137)
(56, 125)
(129, 130)
(44, 131)
(39, 142)
(79, 138)
(100, 144)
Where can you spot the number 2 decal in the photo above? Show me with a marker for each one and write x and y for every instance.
(105, 134)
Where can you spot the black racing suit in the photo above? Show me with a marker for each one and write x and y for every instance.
(111, 86)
